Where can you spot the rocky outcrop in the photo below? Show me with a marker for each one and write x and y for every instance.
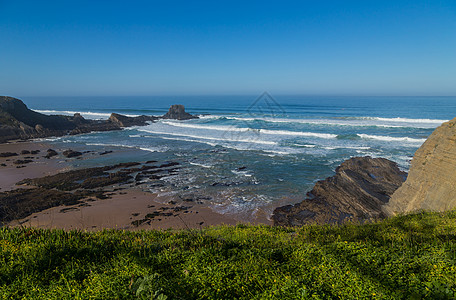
(71, 153)
(177, 112)
(357, 192)
(124, 121)
(19, 122)
(431, 184)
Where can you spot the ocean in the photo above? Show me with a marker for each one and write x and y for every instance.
(246, 155)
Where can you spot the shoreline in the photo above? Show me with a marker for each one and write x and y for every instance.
(127, 207)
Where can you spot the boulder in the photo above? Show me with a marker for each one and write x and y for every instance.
(8, 154)
(357, 192)
(50, 153)
(177, 112)
(70, 153)
(431, 184)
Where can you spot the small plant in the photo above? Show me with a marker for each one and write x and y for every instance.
(145, 288)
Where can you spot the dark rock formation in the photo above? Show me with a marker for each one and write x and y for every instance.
(177, 112)
(124, 121)
(74, 187)
(71, 153)
(50, 153)
(357, 192)
(7, 154)
(19, 122)
(20, 203)
(22, 161)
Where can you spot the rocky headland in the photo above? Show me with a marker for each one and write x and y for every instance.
(17, 122)
(357, 192)
(431, 183)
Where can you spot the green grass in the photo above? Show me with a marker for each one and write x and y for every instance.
(407, 257)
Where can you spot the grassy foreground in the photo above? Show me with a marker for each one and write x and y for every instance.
(403, 257)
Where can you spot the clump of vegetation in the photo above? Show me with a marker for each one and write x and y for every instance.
(400, 258)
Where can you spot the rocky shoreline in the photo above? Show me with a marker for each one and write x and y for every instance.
(357, 192)
(71, 196)
(17, 122)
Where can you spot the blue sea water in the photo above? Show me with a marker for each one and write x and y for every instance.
(251, 154)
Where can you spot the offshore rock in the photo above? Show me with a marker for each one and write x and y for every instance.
(357, 192)
(431, 184)
(124, 121)
(177, 112)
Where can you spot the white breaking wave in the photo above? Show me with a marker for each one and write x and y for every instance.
(212, 138)
(406, 120)
(391, 138)
(150, 149)
(200, 165)
(85, 114)
(241, 129)
(111, 145)
(354, 121)
(232, 146)
(174, 138)
(295, 133)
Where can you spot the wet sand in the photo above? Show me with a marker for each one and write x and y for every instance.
(128, 207)
(12, 173)
(121, 211)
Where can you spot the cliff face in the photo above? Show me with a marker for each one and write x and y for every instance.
(17, 110)
(361, 186)
(431, 183)
(19, 122)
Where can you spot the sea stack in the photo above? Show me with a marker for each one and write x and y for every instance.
(431, 183)
(177, 112)
(357, 192)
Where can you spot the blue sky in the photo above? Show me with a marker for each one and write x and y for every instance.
(58, 48)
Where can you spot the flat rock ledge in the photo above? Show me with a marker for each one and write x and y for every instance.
(357, 192)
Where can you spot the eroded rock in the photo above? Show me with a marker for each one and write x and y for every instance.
(431, 184)
(178, 112)
(356, 192)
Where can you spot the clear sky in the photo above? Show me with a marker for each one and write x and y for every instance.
(57, 48)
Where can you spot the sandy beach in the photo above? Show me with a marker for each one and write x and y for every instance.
(11, 172)
(127, 207)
